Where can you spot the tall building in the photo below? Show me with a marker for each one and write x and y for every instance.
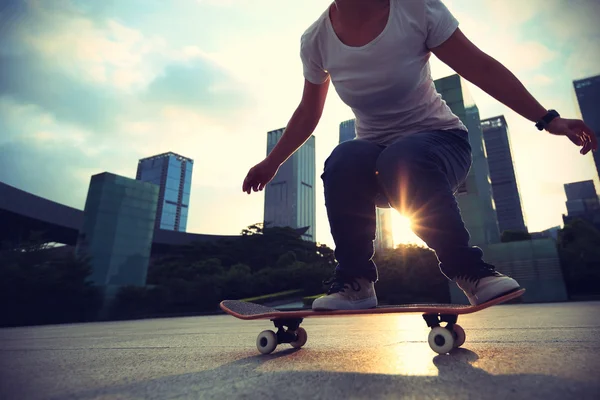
(290, 198)
(475, 195)
(384, 238)
(505, 187)
(117, 229)
(173, 174)
(384, 235)
(581, 198)
(582, 202)
(347, 130)
(535, 264)
(588, 96)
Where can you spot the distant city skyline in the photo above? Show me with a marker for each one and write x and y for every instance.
(128, 85)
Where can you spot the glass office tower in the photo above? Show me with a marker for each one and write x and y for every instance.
(505, 187)
(475, 195)
(290, 197)
(347, 130)
(173, 174)
(118, 228)
(588, 97)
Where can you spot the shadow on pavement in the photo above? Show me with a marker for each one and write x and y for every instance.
(456, 378)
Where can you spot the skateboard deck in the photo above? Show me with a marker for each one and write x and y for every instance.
(441, 339)
(250, 311)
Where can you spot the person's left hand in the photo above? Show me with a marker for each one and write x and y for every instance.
(576, 130)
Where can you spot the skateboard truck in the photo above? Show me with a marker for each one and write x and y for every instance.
(434, 320)
(288, 331)
(443, 339)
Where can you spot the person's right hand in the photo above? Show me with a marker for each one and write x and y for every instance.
(259, 175)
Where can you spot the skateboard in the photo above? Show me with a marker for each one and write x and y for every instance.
(441, 339)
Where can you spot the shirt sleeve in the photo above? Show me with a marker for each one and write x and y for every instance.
(441, 24)
(311, 64)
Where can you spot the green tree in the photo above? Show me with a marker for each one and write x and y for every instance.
(39, 287)
(410, 274)
(262, 260)
(286, 259)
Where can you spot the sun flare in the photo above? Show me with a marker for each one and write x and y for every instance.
(402, 231)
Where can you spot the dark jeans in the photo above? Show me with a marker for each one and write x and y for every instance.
(417, 175)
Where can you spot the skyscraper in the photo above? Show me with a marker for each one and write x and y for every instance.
(588, 96)
(581, 198)
(384, 235)
(290, 198)
(347, 130)
(475, 195)
(582, 202)
(505, 187)
(173, 174)
(117, 230)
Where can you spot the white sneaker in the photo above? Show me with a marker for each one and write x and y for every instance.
(485, 284)
(347, 294)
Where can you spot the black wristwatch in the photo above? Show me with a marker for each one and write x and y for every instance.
(546, 119)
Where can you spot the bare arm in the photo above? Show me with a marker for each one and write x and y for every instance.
(303, 122)
(460, 54)
(298, 130)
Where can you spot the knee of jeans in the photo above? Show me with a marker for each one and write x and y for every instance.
(352, 156)
(399, 172)
(391, 166)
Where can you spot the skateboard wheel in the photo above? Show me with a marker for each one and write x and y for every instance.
(302, 337)
(266, 342)
(459, 335)
(441, 340)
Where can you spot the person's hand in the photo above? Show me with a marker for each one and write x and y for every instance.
(577, 131)
(259, 175)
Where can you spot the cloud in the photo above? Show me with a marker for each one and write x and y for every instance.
(26, 79)
(107, 72)
(220, 154)
(200, 83)
(53, 175)
(104, 53)
(513, 12)
(568, 28)
(41, 154)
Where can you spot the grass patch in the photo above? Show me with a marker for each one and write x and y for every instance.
(272, 296)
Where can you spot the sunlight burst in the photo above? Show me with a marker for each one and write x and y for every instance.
(402, 231)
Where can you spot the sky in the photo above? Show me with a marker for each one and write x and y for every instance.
(89, 86)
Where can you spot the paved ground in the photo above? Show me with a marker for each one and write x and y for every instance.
(512, 352)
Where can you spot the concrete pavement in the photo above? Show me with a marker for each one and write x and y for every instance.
(544, 351)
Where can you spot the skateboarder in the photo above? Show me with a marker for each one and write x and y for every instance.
(410, 150)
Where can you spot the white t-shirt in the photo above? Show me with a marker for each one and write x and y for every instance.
(387, 83)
